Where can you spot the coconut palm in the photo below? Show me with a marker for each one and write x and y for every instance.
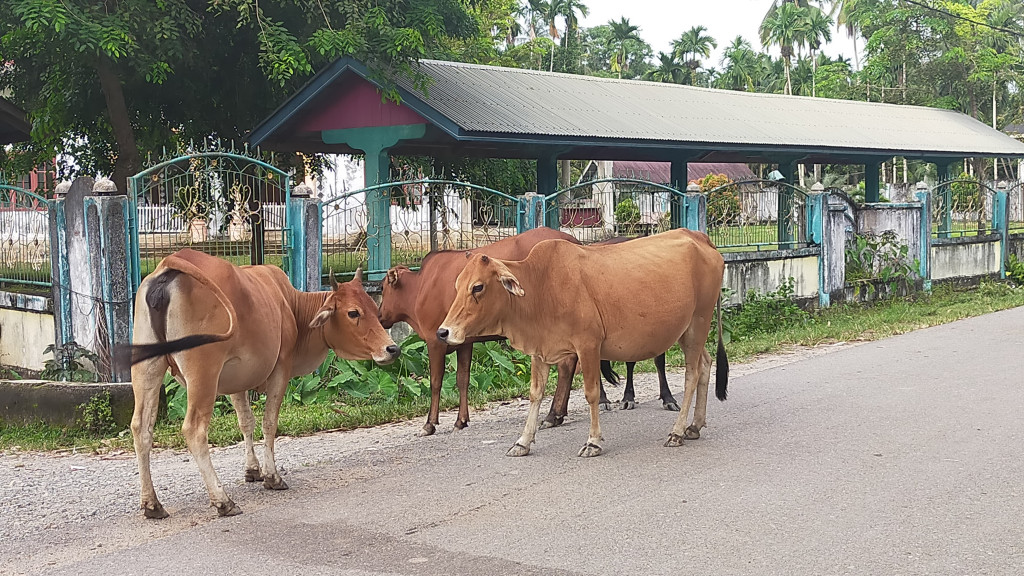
(622, 32)
(739, 66)
(819, 30)
(783, 27)
(690, 47)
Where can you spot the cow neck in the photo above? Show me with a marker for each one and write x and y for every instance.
(411, 285)
(527, 310)
(307, 304)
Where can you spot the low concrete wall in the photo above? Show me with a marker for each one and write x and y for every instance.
(764, 272)
(965, 257)
(26, 329)
(903, 219)
(1016, 246)
(57, 403)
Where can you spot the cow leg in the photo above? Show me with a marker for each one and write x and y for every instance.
(464, 357)
(700, 409)
(247, 423)
(591, 364)
(435, 356)
(560, 402)
(539, 372)
(693, 351)
(147, 379)
(629, 395)
(613, 379)
(202, 393)
(667, 400)
(276, 386)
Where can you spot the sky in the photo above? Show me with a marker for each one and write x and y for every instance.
(662, 21)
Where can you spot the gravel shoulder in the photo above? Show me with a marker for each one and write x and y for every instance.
(61, 507)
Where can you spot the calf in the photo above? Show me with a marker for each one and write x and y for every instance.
(623, 302)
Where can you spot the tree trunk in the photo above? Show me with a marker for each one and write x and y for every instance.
(129, 162)
(789, 85)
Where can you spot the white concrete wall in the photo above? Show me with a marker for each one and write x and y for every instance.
(764, 275)
(964, 259)
(23, 337)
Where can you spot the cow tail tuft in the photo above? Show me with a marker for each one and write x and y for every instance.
(721, 361)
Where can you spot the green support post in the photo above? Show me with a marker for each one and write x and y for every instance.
(1001, 223)
(871, 180)
(375, 143)
(679, 169)
(926, 235)
(547, 184)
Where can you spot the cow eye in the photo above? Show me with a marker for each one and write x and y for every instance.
(478, 288)
(353, 313)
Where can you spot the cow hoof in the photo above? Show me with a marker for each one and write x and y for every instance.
(228, 508)
(605, 406)
(627, 405)
(589, 450)
(253, 475)
(692, 432)
(428, 430)
(518, 449)
(674, 441)
(459, 424)
(551, 422)
(156, 512)
(274, 482)
(671, 405)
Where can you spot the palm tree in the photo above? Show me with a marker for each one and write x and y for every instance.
(622, 32)
(782, 27)
(692, 45)
(848, 15)
(552, 10)
(668, 70)
(739, 66)
(819, 30)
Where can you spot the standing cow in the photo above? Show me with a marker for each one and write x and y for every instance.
(624, 302)
(225, 329)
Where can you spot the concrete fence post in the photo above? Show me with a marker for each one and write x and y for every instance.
(305, 250)
(924, 196)
(60, 272)
(695, 211)
(1001, 223)
(832, 260)
(531, 212)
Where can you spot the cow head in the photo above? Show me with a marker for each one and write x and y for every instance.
(482, 296)
(392, 296)
(350, 326)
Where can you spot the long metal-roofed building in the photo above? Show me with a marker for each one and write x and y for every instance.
(471, 110)
(13, 125)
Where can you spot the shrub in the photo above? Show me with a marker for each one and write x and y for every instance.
(96, 415)
(723, 199)
(882, 257)
(67, 364)
(1015, 270)
(627, 212)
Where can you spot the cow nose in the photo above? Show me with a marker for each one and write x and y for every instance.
(442, 334)
(394, 350)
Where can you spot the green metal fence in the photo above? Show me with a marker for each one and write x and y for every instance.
(423, 215)
(757, 215)
(24, 238)
(227, 204)
(1015, 207)
(962, 207)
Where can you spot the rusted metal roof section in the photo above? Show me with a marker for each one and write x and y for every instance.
(516, 102)
(13, 125)
(660, 172)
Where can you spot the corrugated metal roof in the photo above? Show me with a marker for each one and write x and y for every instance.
(661, 172)
(516, 102)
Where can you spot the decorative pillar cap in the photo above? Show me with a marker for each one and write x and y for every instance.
(302, 191)
(104, 187)
(693, 187)
(61, 190)
(921, 187)
(1002, 185)
(817, 188)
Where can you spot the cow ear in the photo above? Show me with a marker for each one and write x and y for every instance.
(392, 277)
(358, 276)
(511, 283)
(332, 279)
(321, 317)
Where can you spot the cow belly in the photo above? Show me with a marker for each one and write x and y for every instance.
(639, 346)
(241, 374)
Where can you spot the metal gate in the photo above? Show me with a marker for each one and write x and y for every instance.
(962, 207)
(222, 203)
(421, 216)
(760, 215)
(24, 238)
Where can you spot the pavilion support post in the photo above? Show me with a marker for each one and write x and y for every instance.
(375, 142)
(871, 177)
(785, 207)
(547, 184)
(678, 176)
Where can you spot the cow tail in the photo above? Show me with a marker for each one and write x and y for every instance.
(721, 361)
(609, 373)
(158, 299)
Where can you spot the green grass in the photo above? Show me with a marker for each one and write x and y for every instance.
(841, 323)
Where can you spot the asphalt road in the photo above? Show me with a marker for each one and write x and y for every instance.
(902, 456)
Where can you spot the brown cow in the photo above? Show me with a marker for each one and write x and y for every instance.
(423, 298)
(624, 302)
(225, 329)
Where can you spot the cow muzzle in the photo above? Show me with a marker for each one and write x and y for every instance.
(391, 353)
(449, 336)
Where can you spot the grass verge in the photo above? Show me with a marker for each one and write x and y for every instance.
(841, 323)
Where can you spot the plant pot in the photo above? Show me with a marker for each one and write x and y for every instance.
(198, 230)
(238, 231)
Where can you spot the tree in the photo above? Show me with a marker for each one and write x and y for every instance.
(690, 47)
(622, 32)
(100, 80)
(819, 29)
(667, 69)
(600, 51)
(739, 66)
(782, 27)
